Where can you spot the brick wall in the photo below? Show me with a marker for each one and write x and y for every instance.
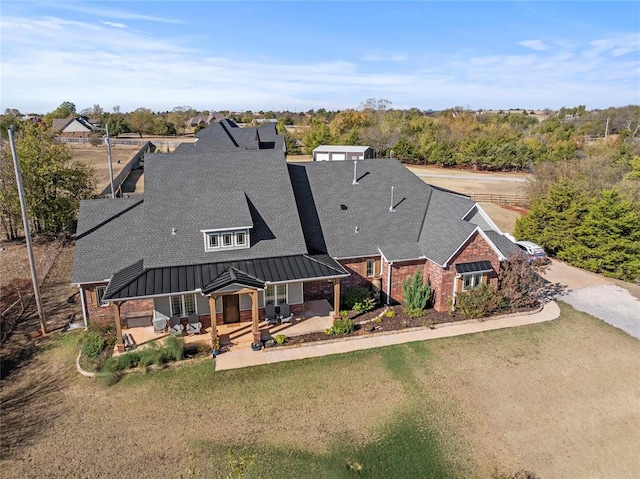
(441, 279)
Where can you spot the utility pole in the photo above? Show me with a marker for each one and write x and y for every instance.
(27, 233)
(108, 142)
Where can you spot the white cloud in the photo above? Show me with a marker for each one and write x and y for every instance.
(377, 57)
(43, 64)
(114, 24)
(112, 13)
(537, 45)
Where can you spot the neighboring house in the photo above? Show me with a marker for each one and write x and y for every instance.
(78, 127)
(205, 120)
(225, 227)
(342, 152)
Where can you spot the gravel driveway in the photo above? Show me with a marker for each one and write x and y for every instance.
(610, 303)
(598, 296)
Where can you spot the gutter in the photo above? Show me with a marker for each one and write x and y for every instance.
(84, 308)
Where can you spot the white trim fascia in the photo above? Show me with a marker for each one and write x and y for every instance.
(362, 256)
(493, 246)
(230, 230)
(446, 263)
(150, 296)
(307, 280)
(484, 215)
(486, 238)
(94, 282)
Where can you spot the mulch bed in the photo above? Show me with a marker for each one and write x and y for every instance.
(366, 324)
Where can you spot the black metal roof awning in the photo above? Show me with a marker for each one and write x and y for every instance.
(232, 276)
(137, 282)
(474, 267)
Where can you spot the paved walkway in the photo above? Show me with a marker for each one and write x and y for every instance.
(246, 357)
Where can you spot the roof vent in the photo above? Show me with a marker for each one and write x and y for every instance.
(343, 207)
(391, 208)
(173, 231)
(355, 174)
(357, 229)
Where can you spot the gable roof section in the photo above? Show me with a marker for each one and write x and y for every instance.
(502, 243)
(444, 230)
(232, 276)
(108, 238)
(188, 193)
(208, 277)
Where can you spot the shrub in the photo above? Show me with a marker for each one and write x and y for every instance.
(148, 356)
(93, 345)
(355, 295)
(390, 313)
(174, 348)
(340, 326)
(280, 338)
(366, 305)
(478, 302)
(127, 361)
(414, 312)
(416, 293)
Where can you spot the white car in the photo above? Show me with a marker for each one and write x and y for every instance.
(532, 250)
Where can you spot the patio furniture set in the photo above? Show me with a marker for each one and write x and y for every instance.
(175, 325)
(273, 319)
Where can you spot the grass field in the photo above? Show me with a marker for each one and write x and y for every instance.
(560, 399)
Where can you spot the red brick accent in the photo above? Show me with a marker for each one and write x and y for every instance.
(441, 279)
(315, 290)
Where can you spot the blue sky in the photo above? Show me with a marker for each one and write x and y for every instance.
(302, 55)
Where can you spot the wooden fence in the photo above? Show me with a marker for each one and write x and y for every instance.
(136, 162)
(499, 199)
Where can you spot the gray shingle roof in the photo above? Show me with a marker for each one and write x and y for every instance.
(107, 237)
(504, 244)
(190, 193)
(349, 220)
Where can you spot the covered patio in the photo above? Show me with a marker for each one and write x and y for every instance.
(316, 316)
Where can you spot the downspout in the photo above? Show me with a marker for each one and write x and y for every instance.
(455, 291)
(84, 308)
(389, 263)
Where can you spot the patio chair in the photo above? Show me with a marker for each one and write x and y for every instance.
(270, 315)
(159, 325)
(193, 326)
(286, 316)
(175, 326)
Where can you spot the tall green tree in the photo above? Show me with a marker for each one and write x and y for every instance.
(553, 219)
(607, 240)
(141, 121)
(53, 184)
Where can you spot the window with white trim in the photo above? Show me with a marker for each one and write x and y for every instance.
(183, 305)
(471, 281)
(221, 240)
(372, 268)
(99, 295)
(275, 294)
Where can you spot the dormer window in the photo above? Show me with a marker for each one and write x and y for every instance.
(224, 240)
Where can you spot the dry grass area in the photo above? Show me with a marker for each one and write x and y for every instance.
(559, 398)
(97, 158)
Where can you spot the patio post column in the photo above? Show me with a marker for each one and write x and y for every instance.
(116, 317)
(336, 298)
(212, 309)
(255, 329)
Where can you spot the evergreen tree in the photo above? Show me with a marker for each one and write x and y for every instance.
(608, 239)
(553, 218)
